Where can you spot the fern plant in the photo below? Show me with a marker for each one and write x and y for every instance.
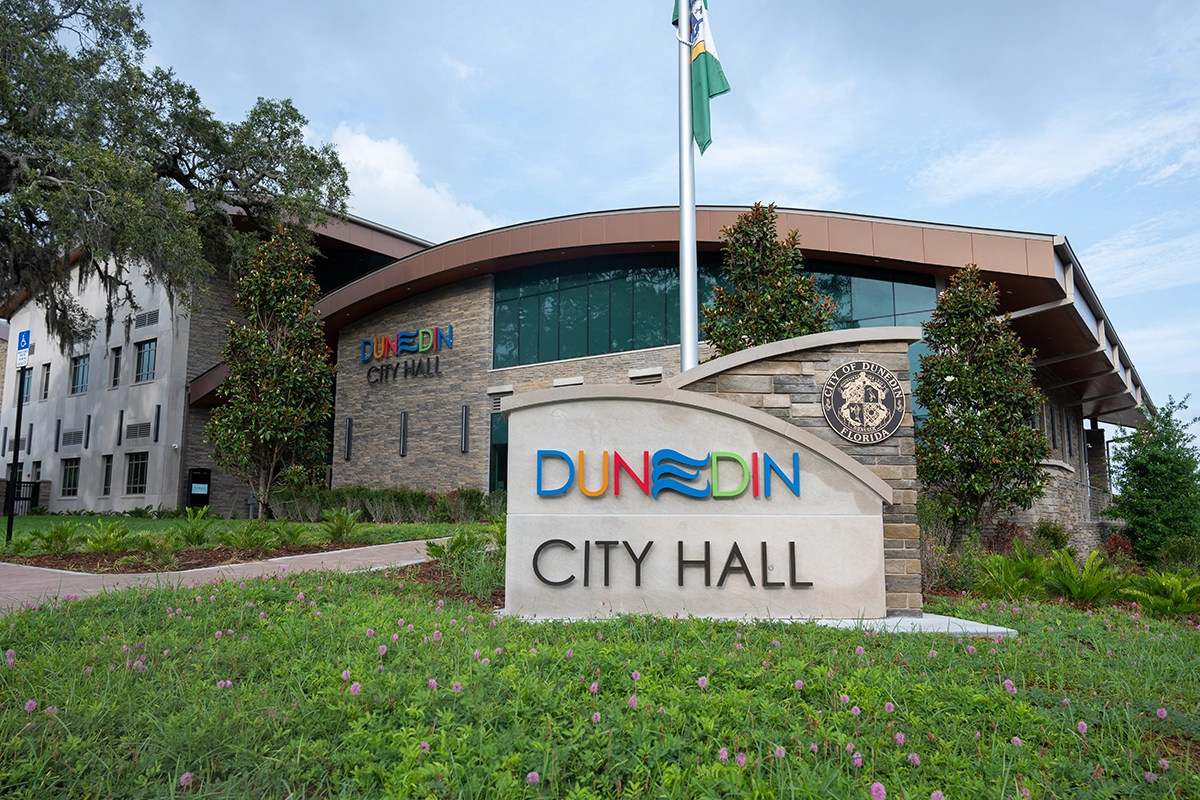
(58, 539)
(194, 529)
(1096, 583)
(109, 538)
(1168, 594)
(157, 550)
(340, 524)
(255, 535)
(1015, 577)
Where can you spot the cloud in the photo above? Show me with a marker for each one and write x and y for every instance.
(1160, 253)
(461, 70)
(1067, 151)
(387, 189)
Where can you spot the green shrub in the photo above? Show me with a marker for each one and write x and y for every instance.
(1168, 594)
(466, 505)
(475, 558)
(936, 535)
(58, 539)
(340, 524)
(194, 529)
(1095, 584)
(140, 512)
(960, 569)
(1052, 534)
(109, 538)
(255, 535)
(1180, 552)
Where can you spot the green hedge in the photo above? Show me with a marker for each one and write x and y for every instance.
(393, 505)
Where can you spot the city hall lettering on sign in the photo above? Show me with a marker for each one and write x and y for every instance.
(424, 340)
(735, 563)
(613, 509)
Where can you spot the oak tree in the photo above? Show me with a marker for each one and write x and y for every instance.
(107, 169)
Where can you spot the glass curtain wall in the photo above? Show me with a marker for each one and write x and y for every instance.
(594, 306)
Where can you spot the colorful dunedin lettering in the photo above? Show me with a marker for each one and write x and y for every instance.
(668, 470)
(424, 340)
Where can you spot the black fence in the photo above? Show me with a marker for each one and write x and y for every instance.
(26, 495)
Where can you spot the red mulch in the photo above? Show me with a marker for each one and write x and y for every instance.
(435, 575)
(184, 559)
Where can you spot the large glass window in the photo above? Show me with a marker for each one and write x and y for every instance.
(591, 306)
(45, 381)
(79, 374)
(144, 366)
(70, 477)
(116, 367)
(135, 472)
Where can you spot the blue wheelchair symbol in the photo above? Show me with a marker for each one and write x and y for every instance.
(23, 340)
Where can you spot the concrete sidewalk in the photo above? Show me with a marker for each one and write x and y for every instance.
(20, 584)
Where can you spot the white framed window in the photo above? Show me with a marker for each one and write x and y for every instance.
(136, 467)
(79, 373)
(70, 477)
(144, 360)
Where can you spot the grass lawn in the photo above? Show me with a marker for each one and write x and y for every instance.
(365, 685)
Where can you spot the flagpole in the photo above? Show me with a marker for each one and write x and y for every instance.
(689, 312)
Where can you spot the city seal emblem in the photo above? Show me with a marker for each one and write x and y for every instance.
(863, 402)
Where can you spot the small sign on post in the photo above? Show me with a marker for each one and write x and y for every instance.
(23, 349)
(13, 474)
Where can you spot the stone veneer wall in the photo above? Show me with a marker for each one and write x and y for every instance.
(227, 495)
(788, 385)
(1072, 497)
(434, 461)
(604, 369)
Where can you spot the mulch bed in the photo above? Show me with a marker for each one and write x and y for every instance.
(184, 559)
(435, 575)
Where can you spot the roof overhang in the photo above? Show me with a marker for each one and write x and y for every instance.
(1053, 306)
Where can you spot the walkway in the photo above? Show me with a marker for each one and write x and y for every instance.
(20, 584)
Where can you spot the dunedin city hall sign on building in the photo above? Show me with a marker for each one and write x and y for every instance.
(626, 499)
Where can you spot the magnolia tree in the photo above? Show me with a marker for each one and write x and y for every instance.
(977, 452)
(769, 298)
(278, 395)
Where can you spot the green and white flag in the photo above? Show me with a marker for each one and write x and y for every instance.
(708, 79)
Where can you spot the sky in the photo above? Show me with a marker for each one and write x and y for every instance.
(1072, 118)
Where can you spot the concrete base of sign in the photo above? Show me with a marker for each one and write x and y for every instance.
(928, 623)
